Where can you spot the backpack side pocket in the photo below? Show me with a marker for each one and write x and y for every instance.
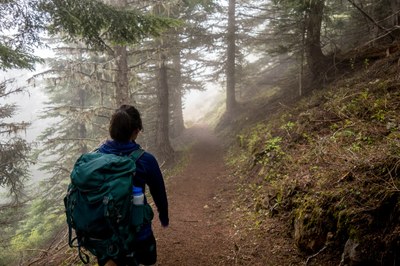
(140, 215)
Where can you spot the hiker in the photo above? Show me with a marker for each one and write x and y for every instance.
(124, 128)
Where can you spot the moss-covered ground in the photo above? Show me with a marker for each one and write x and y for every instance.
(329, 163)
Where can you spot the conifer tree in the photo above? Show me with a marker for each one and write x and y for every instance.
(19, 27)
(173, 65)
(79, 105)
(14, 149)
(231, 59)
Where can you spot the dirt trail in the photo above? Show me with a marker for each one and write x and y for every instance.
(198, 233)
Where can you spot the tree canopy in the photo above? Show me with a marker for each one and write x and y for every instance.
(91, 22)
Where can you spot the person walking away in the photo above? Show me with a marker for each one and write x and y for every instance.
(125, 125)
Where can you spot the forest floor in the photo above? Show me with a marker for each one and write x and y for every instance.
(207, 226)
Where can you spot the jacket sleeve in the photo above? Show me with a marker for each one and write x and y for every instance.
(155, 181)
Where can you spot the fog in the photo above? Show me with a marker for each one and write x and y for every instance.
(197, 103)
(31, 104)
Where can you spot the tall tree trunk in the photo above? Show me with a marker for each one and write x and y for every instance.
(121, 79)
(82, 126)
(303, 37)
(231, 103)
(164, 148)
(395, 6)
(176, 97)
(315, 58)
(121, 55)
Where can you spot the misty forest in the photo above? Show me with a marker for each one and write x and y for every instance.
(275, 123)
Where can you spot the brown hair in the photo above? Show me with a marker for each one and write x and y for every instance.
(125, 120)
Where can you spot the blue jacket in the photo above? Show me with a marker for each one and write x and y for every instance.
(147, 172)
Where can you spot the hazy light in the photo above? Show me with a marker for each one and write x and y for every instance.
(198, 103)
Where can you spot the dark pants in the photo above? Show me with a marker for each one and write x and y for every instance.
(145, 252)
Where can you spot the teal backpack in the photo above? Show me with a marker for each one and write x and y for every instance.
(99, 206)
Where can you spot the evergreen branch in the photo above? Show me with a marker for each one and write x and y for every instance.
(142, 51)
(138, 64)
(95, 23)
(371, 19)
(72, 139)
(16, 58)
(13, 127)
(3, 87)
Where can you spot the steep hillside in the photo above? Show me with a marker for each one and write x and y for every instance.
(328, 165)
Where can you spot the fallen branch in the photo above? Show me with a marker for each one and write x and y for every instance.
(316, 254)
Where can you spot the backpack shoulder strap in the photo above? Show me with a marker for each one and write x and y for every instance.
(136, 154)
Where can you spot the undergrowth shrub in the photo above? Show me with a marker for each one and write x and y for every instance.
(34, 233)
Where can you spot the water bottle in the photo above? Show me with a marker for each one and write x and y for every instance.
(138, 196)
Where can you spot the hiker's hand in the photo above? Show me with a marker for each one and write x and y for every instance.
(164, 221)
(110, 263)
(165, 225)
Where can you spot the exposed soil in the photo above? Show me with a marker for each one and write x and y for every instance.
(207, 224)
(198, 233)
